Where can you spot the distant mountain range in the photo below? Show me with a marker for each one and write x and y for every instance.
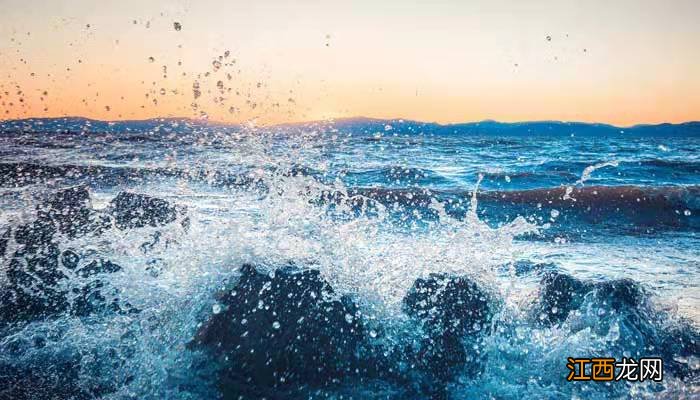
(360, 125)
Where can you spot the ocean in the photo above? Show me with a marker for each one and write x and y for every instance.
(348, 259)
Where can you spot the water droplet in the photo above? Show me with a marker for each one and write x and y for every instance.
(349, 318)
(276, 325)
(687, 213)
(151, 59)
(177, 26)
(373, 333)
(554, 213)
(549, 38)
(216, 308)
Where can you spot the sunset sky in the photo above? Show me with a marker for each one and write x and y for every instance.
(622, 62)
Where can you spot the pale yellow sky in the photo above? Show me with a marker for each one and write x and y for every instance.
(621, 62)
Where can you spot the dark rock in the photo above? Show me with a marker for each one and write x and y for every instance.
(55, 381)
(559, 295)
(622, 305)
(448, 304)
(98, 267)
(680, 346)
(33, 236)
(69, 210)
(34, 291)
(97, 297)
(34, 271)
(620, 293)
(4, 240)
(453, 312)
(134, 210)
(282, 329)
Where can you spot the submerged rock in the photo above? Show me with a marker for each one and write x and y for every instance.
(282, 329)
(449, 304)
(561, 293)
(4, 240)
(58, 380)
(68, 210)
(134, 210)
(619, 310)
(37, 266)
(280, 332)
(453, 312)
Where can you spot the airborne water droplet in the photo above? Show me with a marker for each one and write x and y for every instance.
(276, 325)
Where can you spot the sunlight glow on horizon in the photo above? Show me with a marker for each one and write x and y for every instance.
(282, 61)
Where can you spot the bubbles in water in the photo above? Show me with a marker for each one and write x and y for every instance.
(177, 26)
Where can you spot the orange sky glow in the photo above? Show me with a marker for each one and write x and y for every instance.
(275, 61)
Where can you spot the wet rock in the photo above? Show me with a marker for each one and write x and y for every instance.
(620, 293)
(4, 240)
(453, 312)
(97, 297)
(449, 304)
(559, 295)
(34, 272)
(680, 346)
(98, 267)
(58, 380)
(280, 330)
(68, 210)
(619, 310)
(134, 210)
(32, 291)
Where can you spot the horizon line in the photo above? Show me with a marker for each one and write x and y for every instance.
(340, 119)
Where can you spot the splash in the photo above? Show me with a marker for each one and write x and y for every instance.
(585, 175)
